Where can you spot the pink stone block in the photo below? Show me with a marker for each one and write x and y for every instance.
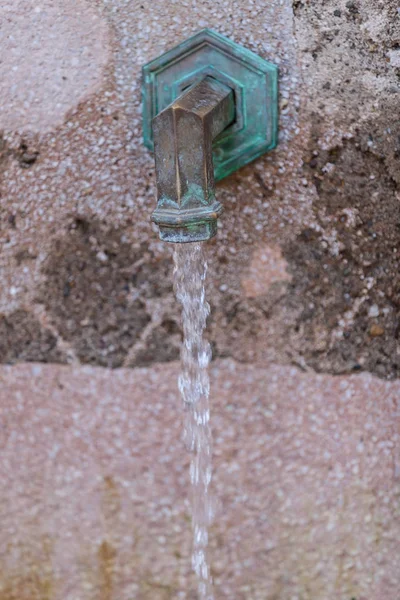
(95, 485)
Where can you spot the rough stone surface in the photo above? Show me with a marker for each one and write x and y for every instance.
(95, 483)
(348, 264)
(303, 278)
(324, 207)
(76, 201)
(53, 55)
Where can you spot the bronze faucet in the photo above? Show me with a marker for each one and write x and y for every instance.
(210, 106)
(187, 209)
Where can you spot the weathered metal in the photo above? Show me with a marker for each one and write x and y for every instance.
(253, 85)
(187, 209)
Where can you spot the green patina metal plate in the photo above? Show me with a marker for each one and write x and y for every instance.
(253, 79)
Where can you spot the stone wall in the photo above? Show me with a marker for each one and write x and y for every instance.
(322, 211)
(303, 279)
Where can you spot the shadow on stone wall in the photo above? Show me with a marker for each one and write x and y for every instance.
(98, 293)
(113, 304)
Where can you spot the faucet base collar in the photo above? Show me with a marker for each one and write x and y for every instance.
(191, 225)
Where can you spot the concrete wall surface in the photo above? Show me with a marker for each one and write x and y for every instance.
(304, 289)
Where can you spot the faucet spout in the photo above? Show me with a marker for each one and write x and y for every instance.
(187, 209)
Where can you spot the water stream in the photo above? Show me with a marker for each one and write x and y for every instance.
(190, 270)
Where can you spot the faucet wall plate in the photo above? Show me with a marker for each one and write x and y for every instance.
(253, 80)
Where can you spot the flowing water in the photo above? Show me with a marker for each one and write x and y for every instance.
(190, 270)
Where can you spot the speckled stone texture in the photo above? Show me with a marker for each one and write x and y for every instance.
(95, 482)
(303, 279)
(77, 188)
(52, 56)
